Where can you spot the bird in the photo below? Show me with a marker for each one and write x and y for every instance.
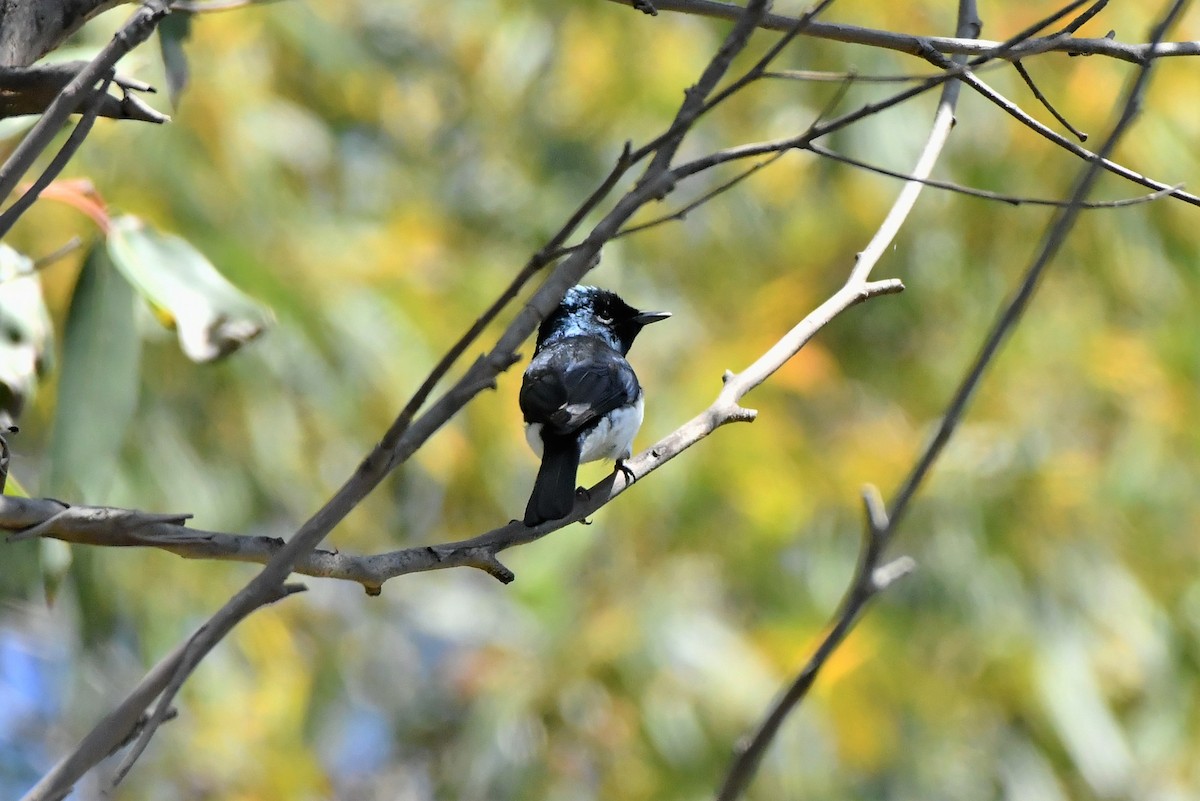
(580, 398)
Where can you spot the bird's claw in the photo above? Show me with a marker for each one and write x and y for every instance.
(630, 476)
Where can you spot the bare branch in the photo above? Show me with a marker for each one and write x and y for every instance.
(107, 526)
(404, 436)
(412, 426)
(865, 584)
(695, 96)
(918, 45)
(30, 90)
(1082, 19)
(1066, 144)
(136, 30)
(1012, 310)
(870, 577)
(1013, 200)
(682, 212)
(1045, 101)
(56, 165)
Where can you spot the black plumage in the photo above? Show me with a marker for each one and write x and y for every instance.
(580, 398)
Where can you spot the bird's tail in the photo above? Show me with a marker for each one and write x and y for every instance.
(553, 495)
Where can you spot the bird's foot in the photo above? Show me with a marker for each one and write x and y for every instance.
(630, 476)
(645, 6)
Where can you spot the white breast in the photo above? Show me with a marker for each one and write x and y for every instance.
(612, 438)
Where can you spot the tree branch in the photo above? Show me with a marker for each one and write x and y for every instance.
(916, 45)
(412, 427)
(407, 433)
(28, 31)
(748, 754)
(136, 30)
(30, 90)
(984, 194)
(112, 527)
(880, 528)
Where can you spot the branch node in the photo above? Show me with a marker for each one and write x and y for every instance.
(886, 575)
(876, 512)
(488, 563)
(291, 588)
(886, 286)
(728, 376)
(740, 414)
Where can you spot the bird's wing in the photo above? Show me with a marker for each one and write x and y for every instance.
(564, 401)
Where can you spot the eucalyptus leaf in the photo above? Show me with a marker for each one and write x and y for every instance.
(211, 316)
(172, 33)
(98, 385)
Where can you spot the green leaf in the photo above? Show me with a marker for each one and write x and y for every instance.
(26, 334)
(212, 317)
(172, 33)
(98, 387)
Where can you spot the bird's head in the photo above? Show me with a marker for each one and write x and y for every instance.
(589, 310)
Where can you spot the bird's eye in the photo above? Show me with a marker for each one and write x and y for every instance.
(603, 318)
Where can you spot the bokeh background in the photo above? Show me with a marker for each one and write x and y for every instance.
(376, 172)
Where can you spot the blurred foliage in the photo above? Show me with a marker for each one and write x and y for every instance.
(375, 173)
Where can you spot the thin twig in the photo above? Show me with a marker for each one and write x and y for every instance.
(1033, 87)
(917, 45)
(870, 578)
(1012, 310)
(755, 72)
(694, 98)
(749, 753)
(63, 250)
(1066, 144)
(955, 69)
(684, 211)
(1082, 19)
(826, 76)
(1013, 200)
(136, 30)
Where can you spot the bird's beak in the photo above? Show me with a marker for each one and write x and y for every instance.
(645, 318)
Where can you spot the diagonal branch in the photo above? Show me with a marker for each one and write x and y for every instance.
(881, 523)
(402, 439)
(1056, 234)
(985, 194)
(749, 753)
(106, 526)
